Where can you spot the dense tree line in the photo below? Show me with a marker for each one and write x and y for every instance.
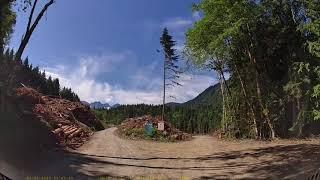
(271, 50)
(199, 115)
(204, 119)
(23, 73)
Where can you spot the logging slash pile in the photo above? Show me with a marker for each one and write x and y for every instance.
(72, 123)
(131, 126)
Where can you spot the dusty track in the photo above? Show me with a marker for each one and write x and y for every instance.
(202, 158)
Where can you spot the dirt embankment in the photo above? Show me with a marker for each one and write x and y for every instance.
(34, 124)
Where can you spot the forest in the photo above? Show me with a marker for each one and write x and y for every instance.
(196, 120)
(201, 115)
(269, 49)
(259, 120)
(24, 74)
(27, 75)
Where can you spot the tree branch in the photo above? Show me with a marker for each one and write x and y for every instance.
(44, 9)
(30, 30)
(31, 15)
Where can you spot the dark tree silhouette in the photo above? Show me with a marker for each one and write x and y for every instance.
(32, 26)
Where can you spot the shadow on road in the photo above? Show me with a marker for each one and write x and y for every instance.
(277, 162)
(284, 161)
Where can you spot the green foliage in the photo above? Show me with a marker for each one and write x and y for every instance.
(140, 133)
(316, 115)
(135, 133)
(223, 21)
(271, 50)
(312, 28)
(168, 44)
(7, 21)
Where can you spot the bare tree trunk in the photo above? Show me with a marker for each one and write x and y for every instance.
(223, 103)
(30, 28)
(164, 88)
(264, 110)
(218, 66)
(248, 102)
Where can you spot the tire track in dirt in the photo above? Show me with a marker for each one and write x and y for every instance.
(202, 157)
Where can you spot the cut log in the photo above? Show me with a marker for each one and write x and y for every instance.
(64, 127)
(68, 129)
(70, 132)
(57, 131)
(77, 132)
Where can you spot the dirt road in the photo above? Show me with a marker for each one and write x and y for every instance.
(203, 157)
(107, 155)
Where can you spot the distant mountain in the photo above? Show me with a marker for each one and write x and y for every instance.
(115, 105)
(85, 103)
(99, 105)
(210, 96)
(173, 104)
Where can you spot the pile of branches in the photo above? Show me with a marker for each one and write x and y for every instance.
(71, 123)
(140, 123)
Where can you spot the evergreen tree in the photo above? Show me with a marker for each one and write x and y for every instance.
(56, 87)
(50, 86)
(11, 54)
(26, 63)
(170, 68)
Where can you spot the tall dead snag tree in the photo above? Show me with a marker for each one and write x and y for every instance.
(170, 68)
(31, 26)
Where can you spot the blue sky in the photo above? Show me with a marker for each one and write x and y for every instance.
(105, 50)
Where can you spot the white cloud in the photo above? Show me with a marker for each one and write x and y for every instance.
(108, 62)
(82, 78)
(196, 15)
(192, 85)
(179, 47)
(176, 23)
